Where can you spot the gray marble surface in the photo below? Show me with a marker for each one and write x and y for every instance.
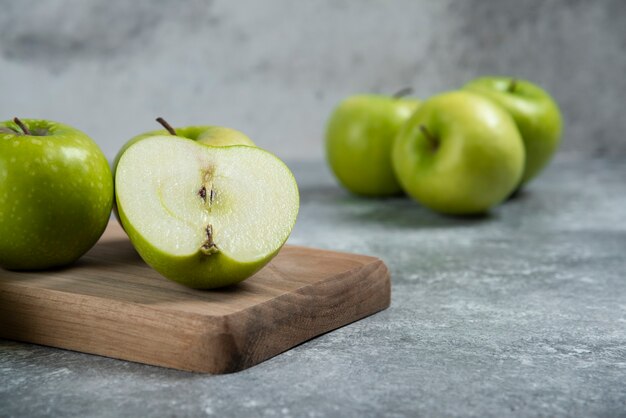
(520, 313)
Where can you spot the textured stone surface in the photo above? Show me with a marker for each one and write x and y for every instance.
(521, 313)
(276, 68)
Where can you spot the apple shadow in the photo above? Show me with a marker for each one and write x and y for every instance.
(118, 250)
(520, 194)
(410, 214)
(396, 212)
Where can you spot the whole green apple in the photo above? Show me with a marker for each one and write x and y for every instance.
(459, 154)
(536, 115)
(56, 192)
(359, 138)
(203, 216)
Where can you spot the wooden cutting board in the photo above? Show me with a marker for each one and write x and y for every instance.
(112, 304)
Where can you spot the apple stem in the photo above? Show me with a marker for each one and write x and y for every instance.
(402, 92)
(512, 86)
(434, 143)
(23, 127)
(166, 125)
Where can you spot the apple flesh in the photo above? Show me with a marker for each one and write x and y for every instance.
(536, 115)
(459, 154)
(359, 139)
(204, 217)
(56, 192)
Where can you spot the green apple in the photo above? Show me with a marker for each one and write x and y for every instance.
(207, 135)
(459, 154)
(219, 136)
(56, 192)
(536, 115)
(203, 216)
(359, 138)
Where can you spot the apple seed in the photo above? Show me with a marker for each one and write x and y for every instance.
(202, 193)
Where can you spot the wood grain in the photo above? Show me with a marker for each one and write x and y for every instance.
(112, 304)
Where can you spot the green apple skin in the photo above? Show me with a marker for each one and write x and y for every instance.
(208, 135)
(536, 115)
(219, 136)
(359, 138)
(56, 192)
(197, 270)
(477, 162)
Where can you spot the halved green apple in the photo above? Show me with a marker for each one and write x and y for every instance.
(204, 216)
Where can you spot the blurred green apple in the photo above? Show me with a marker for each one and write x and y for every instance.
(359, 138)
(536, 115)
(203, 216)
(459, 154)
(56, 193)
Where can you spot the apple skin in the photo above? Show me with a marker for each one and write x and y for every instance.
(197, 270)
(477, 163)
(56, 192)
(219, 136)
(536, 115)
(359, 138)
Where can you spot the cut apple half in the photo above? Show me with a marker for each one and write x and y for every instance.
(204, 216)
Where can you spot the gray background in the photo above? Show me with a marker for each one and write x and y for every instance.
(274, 69)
